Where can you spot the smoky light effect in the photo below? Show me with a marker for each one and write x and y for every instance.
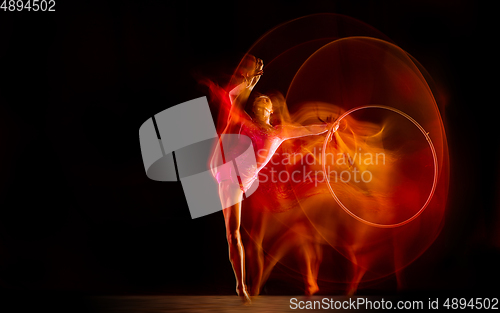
(388, 204)
(325, 65)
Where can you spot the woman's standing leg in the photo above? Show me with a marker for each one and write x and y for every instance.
(255, 251)
(231, 193)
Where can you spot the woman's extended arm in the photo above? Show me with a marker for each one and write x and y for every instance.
(290, 131)
(293, 131)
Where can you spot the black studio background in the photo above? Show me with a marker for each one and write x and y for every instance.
(78, 214)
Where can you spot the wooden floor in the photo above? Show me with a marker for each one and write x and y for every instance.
(157, 304)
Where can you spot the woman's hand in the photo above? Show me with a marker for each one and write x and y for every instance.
(250, 70)
(253, 76)
(331, 122)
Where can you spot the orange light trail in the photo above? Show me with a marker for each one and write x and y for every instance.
(434, 158)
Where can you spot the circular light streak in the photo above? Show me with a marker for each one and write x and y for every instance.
(434, 157)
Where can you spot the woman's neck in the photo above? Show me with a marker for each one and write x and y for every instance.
(264, 123)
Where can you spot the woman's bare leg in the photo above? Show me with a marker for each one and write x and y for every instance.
(255, 252)
(232, 216)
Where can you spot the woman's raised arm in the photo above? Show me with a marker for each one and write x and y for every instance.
(239, 95)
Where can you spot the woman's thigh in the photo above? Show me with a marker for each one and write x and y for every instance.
(231, 196)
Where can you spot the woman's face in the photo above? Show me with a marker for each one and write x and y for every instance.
(263, 108)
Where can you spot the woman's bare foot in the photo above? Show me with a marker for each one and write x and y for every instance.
(243, 293)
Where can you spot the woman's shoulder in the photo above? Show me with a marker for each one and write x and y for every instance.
(279, 128)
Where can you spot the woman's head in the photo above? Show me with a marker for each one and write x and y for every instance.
(262, 108)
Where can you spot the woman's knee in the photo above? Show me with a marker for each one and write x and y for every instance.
(233, 236)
